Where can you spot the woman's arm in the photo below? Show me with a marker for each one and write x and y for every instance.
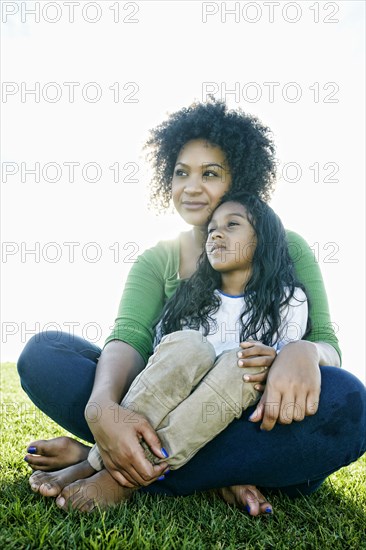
(308, 273)
(117, 430)
(327, 355)
(293, 385)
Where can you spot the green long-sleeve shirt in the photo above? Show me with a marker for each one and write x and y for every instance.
(154, 278)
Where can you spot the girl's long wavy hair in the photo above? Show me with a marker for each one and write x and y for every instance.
(270, 288)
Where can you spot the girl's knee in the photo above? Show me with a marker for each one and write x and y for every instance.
(189, 343)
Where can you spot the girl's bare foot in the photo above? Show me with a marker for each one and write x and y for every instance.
(101, 490)
(55, 454)
(50, 484)
(248, 497)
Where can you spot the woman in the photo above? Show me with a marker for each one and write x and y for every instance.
(197, 153)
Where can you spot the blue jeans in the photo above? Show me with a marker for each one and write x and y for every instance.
(57, 372)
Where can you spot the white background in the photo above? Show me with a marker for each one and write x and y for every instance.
(164, 55)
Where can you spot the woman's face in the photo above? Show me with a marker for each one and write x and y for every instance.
(201, 177)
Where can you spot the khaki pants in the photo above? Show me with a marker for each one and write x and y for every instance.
(188, 395)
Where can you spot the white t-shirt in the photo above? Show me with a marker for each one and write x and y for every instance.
(226, 335)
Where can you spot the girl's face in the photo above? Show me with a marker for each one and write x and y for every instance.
(201, 177)
(231, 240)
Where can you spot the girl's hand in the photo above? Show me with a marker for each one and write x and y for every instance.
(118, 432)
(256, 354)
(293, 386)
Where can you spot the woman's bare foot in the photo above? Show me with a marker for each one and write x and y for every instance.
(50, 484)
(101, 490)
(248, 497)
(54, 454)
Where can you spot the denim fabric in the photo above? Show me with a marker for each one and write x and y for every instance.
(57, 372)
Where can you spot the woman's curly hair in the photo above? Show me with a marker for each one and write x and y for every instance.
(247, 144)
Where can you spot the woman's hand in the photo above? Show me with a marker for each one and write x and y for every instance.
(293, 386)
(256, 354)
(118, 432)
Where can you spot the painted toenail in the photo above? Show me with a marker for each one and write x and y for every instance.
(26, 458)
(161, 478)
(247, 508)
(32, 450)
(165, 452)
(268, 510)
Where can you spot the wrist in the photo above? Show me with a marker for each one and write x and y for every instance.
(301, 349)
(93, 411)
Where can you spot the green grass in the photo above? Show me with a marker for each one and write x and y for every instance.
(332, 518)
